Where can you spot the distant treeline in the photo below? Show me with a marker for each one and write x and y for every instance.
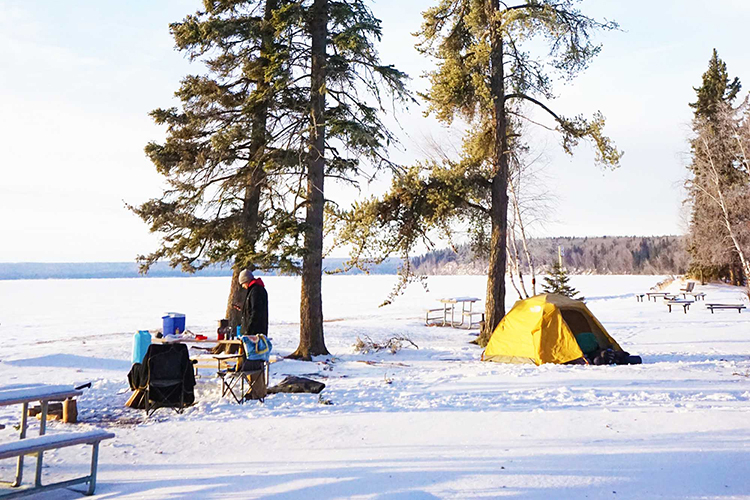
(599, 255)
(109, 270)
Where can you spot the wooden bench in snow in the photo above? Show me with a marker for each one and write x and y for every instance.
(688, 287)
(739, 307)
(695, 295)
(679, 302)
(38, 445)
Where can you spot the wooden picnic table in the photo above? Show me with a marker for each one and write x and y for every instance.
(221, 359)
(26, 394)
(739, 307)
(679, 302)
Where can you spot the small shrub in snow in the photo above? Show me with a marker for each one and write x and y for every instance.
(366, 345)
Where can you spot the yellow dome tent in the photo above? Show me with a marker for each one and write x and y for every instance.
(542, 329)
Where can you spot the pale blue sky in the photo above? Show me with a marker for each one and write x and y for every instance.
(77, 79)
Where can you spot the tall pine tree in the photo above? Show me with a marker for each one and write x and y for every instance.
(345, 133)
(711, 249)
(229, 146)
(486, 75)
(255, 130)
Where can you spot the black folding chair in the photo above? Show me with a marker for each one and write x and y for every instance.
(169, 378)
(248, 378)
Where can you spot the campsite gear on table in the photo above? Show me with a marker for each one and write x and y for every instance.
(223, 332)
(173, 323)
(542, 329)
(141, 341)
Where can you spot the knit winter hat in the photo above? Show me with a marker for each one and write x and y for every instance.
(246, 276)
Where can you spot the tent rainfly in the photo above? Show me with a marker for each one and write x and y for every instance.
(542, 329)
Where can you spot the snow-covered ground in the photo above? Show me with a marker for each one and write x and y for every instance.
(432, 422)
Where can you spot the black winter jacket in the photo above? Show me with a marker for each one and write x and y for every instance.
(255, 310)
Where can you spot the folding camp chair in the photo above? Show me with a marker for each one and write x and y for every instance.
(169, 378)
(248, 380)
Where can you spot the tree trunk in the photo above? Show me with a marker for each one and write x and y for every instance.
(495, 301)
(251, 207)
(235, 297)
(311, 342)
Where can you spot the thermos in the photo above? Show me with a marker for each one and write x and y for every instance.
(223, 332)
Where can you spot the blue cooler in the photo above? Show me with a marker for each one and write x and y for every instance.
(173, 324)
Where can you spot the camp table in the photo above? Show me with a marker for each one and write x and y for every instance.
(449, 304)
(220, 359)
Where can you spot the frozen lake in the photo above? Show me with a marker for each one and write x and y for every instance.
(432, 422)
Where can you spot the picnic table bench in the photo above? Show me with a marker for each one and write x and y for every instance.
(679, 302)
(695, 295)
(37, 446)
(739, 307)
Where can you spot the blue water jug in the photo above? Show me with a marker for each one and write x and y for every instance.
(239, 332)
(141, 341)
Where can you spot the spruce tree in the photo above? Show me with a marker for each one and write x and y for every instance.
(487, 76)
(346, 136)
(557, 282)
(226, 151)
(714, 122)
(254, 130)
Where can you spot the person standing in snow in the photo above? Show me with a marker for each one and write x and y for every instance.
(255, 307)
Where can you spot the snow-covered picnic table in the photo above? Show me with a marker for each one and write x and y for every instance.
(678, 302)
(26, 394)
(449, 309)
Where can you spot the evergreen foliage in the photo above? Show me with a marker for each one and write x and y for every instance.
(719, 179)
(715, 89)
(238, 149)
(488, 74)
(557, 282)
